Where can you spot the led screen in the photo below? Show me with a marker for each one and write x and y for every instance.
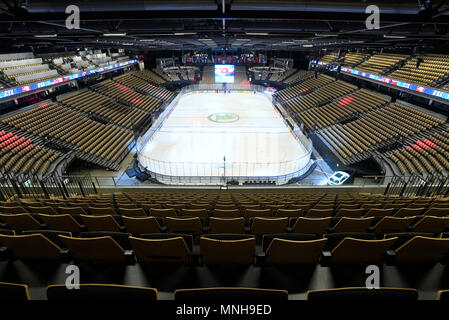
(43, 84)
(224, 73)
(393, 82)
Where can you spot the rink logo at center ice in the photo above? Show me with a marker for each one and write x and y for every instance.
(224, 117)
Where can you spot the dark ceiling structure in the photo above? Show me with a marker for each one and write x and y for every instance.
(224, 24)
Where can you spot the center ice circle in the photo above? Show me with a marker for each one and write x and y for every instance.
(224, 117)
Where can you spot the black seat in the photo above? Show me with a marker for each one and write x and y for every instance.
(7, 232)
(268, 238)
(187, 238)
(403, 237)
(122, 238)
(443, 295)
(361, 294)
(51, 235)
(13, 291)
(228, 236)
(101, 292)
(230, 294)
(333, 239)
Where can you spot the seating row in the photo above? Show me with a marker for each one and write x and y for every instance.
(114, 292)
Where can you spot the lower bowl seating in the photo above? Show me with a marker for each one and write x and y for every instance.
(183, 244)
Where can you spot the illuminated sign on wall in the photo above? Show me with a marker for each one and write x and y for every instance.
(48, 83)
(410, 86)
(270, 90)
(401, 84)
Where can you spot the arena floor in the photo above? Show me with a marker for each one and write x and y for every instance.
(243, 127)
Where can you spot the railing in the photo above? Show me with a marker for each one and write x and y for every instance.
(70, 186)
(32, 186)
(228, 86)
(428, 186)
(182, 173)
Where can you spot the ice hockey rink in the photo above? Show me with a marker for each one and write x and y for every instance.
(238, 134)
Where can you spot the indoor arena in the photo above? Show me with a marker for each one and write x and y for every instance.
(224, 158)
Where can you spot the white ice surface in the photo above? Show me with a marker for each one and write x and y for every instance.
(258, 144)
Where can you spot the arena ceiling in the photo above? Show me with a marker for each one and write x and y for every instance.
(231, 24)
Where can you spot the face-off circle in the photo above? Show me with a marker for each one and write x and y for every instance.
(224, 117)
